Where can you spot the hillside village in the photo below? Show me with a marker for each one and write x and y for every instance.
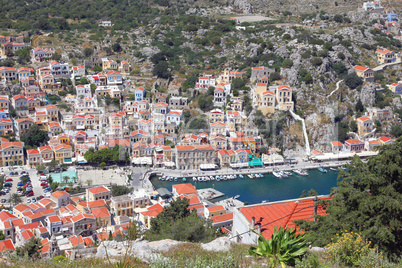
(75, 129)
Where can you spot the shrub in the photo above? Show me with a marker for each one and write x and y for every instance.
(306, 55)
(353, 81)
(349, 248)
(287, 63)
(316, 61)
(341, 56)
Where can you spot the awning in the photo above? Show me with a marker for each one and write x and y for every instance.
(163, 192)
(207, 166)
(68, 160)
(239, 165)
(169, 164)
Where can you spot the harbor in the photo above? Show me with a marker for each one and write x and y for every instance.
(267, 188)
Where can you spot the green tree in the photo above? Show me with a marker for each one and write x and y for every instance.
(312, 192)
(2, 236)
(161, 69)
(35, 137)
(133, 232)
(178, 223)
(97, 69)
(56, 56)
(102, 165)
(367, 200)
(396, 131)
(118, 190)
(275, 76)
(316, 61)
(30, 249)
(238, 83)
(353, 126)
(287, 63)
(353, 81)
(15, 200)
(359, 107)
(117, 47)
(88, 52)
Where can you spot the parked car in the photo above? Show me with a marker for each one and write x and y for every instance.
(28, 200)
(43, 183)
(11, 173)
(20, 184)
(23, 172)
(3, 200)
(40, 197)
(15, 173)
(30, 194)
(33, 199)
(45, 186)
(2, 192)
(20, 188)
(7, 184)
(9, 179)
(48, 189)
(7, 190)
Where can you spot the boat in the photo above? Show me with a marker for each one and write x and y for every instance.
(241, 176)
(212, 178)
(323, 170)
(225, 178)
(343, 168)
(234, 176)
(207, 178)
(249, 175)
(333, 169)
(194, 179)
(170, 178)
(300, 172)
(218, 178)
(237, 196)
(261, 176)
(287, 173)
(184, 179)
(175, 179)
(284, 175)
(277, 174)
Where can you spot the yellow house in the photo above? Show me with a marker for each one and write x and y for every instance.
(364, 125)
(366, 73)
(266, 103)
(260, 89)
(121, 205)
(385, 56)
(102, 216)
(97, 193)
(62, 152)
(13, 153)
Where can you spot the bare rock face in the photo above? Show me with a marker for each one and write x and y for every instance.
(219, 244)
(164, 245)
(244, 5)
(282, 52)
(367, 94)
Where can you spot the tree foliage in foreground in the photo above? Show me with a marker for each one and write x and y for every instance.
(368, 200)
(117, 154)
(30, 249)
(178, 223)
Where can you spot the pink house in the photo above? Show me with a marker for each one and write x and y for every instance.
(354, 145)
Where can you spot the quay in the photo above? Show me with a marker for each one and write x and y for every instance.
(209, 193)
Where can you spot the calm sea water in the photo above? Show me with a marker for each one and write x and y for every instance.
(268, 188)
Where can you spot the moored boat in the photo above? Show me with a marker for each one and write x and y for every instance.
(300, 172)
(333, 169)
(323, 170)
(241, 176)
(277, 174)
(184, 179)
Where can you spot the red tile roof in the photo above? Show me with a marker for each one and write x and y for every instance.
(215, 208)
(336, 143)
(353, 141)
(184, 188)
(222, 218)
(59, 194)
(360, 68)
(281, 214)
(6, 245)
(100, 212)
(99, 189)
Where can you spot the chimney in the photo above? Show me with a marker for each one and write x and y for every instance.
(315, 207)
(253, 223)
(259, 229)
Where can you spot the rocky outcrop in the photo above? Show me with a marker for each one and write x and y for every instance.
(367, 94)
(164, 245)
(219, 244)
(243, 5)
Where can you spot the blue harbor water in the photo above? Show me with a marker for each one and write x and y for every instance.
(267, 188)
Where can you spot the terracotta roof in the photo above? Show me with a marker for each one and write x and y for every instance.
(103, 236)
(88, 241)
(283, 87)
(184, 188)
(281, 214)
(27, 234)
(353, 141)
(82, 216)
(363, 118)
(9, 144)
(6, 245)
(316, 152)
(100, 212)
(336, 143)
(268, 93)
(374, 142)
(385, 139)
(99, 189)
(215, 208)
(5, 215)
(261, 84)
(194, 147)
(385, 51)
(360, 68)
(96, 203)
(20, 207)
(222, 218)
(76, 241)
(59, 194)
(54, 219)
(32, 151)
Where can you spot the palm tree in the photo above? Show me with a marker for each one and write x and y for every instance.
(15, 199)
(66, 179)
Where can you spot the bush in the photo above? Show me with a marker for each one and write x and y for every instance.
(353, 81)
(316, 61)
(341, 56)
(349, 248)
(275, 76)
(288, 63)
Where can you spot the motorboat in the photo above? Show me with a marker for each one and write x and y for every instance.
(218, 178)
(323, 170)
(284, 175)
(212, 178)
(333, 169)
(250, 176)
(241, 176)
(277, 174)
(184, 179)
(194, 179)
(170, 178)
(225, 178)
(300, 172)
(287, 173)
(234, 176)
(237, 196)
(175, 179)
(261, 176)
